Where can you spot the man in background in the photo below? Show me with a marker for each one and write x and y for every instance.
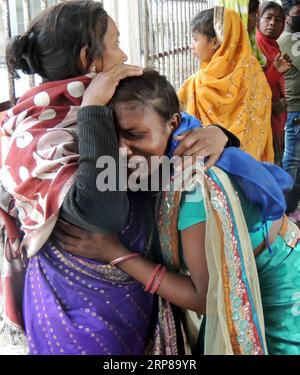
(289, 43)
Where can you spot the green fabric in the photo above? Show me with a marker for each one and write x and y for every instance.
(256, 51)
(241, 7)
(191, 210)
(289, 44)
(279, 278)
(279, 273)
(253, 219)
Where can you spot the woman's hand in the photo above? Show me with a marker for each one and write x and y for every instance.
(209, 141)
(106, 248)
(282, 63)
(98, 246)
(279, 106)
(103, 85)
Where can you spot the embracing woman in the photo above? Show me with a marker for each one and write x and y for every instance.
(50, 143)
(227, 249)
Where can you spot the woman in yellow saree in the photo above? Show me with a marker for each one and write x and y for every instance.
(230, 87)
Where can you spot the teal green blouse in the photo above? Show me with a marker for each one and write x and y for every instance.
(192, 211)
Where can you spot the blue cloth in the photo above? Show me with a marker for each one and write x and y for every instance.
(291, 158)
(263, 183)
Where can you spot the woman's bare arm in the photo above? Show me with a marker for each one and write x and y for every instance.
(188, 292)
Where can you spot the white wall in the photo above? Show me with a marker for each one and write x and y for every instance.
(126, 15)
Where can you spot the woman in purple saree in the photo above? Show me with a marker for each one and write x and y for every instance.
(50, 143)
(84, 307)
(71, 305)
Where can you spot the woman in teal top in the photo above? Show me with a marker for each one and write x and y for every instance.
(278, 271)
(223, 259)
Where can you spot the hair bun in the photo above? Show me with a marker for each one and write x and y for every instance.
(20, 54)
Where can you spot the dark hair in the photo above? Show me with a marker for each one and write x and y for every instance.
(203, 23)
(253, 6)
(288, 5)
(150, 89)
(51, 45)
(266, 5)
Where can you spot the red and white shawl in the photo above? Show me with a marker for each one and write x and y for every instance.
(38, 159)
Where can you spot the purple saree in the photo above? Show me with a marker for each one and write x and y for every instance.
(73, 305)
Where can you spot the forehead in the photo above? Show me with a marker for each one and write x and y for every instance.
(131, 106)
(295, 10)
(112, 29)
(133, 113)
(272, 11)
(196, 33)
(200, 37)
(132, 109)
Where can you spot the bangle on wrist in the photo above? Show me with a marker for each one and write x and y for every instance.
(123, 258)
(155, 279)
(159, 280)
(152, 277)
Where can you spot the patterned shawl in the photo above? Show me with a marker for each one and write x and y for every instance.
(225, 90)
(38, 158)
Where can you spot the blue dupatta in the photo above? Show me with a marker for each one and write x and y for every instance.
(263, 183)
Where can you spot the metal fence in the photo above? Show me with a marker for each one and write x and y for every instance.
(166, 36)
(157, 32)
(16, 15)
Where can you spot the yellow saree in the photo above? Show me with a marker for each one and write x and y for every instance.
(231, 90)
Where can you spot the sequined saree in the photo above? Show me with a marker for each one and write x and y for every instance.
(78, 306)
(231, 266)
(252, 303)
(278, 270)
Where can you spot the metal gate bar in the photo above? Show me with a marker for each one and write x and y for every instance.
(166, 37)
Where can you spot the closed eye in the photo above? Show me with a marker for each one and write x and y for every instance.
(134, 135)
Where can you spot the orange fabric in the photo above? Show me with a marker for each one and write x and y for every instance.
(231, 90)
